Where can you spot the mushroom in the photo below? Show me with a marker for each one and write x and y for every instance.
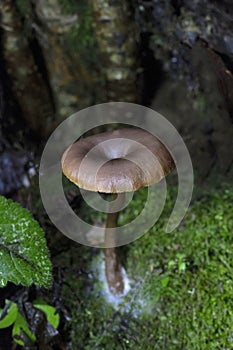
(116, 162)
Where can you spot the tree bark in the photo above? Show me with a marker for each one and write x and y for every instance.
(53, 31)
(28, 85)
(115, 32)
(69, 78)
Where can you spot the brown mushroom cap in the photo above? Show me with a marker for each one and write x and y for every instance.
(120, 161)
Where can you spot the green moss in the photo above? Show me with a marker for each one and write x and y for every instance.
(188, 283)
(182, 284)
(201, 104)
(68, 6)
(82, 37)
(24, 6)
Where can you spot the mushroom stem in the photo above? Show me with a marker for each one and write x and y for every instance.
(113, 268)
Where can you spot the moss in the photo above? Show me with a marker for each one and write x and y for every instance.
(201, 104)
(188, 283)
(82, 47)
(181, 296)
(23, 5)
(82, 37)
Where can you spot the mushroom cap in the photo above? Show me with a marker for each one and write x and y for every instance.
(120, 161)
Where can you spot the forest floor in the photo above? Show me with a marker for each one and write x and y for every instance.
(181, 282)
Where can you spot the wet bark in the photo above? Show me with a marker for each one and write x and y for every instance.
(53, 29)
(115, 31)
(28, 85)
(193, 42)
(216, 81)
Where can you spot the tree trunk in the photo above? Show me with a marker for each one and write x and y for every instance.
(54, 31)
(115, 32)
(29, 87)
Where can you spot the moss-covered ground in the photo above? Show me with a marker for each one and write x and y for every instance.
(181, 283)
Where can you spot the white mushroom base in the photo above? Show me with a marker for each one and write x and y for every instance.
(115, 300)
